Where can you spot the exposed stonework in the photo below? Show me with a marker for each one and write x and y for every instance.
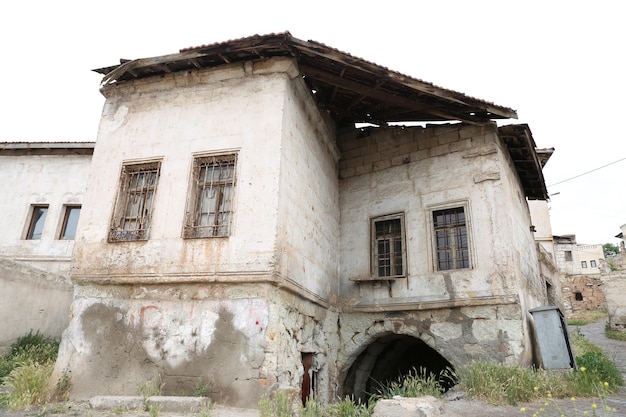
(615, 292)
(583, 292)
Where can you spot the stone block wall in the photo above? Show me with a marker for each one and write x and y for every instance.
(364, 153)
(582, 292)
(615, 292)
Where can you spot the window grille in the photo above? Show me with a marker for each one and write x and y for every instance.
(211, 198)
(134, 206)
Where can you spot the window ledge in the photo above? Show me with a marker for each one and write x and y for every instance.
(373, 279)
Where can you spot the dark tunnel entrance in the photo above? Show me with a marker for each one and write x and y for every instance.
(390, 357)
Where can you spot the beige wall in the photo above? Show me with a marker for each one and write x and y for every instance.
(172, 119)
(53, 180)
(35, 290)
(31, 300)
(615, 293)
(204, 291)
(580, 253)
(415, 171)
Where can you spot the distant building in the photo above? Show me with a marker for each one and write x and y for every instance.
(580, 267)
(578, 259)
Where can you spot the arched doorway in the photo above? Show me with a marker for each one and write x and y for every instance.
(390, 357)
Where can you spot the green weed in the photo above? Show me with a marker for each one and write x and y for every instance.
(417, 383)
(27, 385)
(154, 410)
(151, 388)
(278, 405)
(200, 389)
(615, 334)
(499, 384)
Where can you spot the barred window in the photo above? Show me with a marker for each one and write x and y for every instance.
(211, 198)
(132, 216)
(388, 251)
(451, 243)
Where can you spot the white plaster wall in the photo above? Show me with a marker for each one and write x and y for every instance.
(476, 174)
(183, 336)
(615, 293)
(308, 224)
(171, 118)
(540, 215)
(31, 300)
(53, 180)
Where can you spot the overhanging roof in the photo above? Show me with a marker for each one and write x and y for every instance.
(351, 89)
(46, 148)
(528, 163)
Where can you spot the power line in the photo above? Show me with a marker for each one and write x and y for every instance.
(588, 172)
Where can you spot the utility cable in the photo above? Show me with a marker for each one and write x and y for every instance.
(585, 173)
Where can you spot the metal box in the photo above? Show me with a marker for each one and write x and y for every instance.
(552, 339)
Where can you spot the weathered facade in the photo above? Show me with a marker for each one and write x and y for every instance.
(580, 267)
(237, 225)
(42, 190)
(578, 259)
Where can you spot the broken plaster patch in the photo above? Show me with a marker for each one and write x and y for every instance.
(115, 121)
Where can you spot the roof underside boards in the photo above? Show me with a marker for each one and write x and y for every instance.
(521, 146)
(350, 89)
(46, 148)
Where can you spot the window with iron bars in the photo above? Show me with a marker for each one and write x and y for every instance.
(210, 204)
(132, 216)
(451, 243)
(388, 250)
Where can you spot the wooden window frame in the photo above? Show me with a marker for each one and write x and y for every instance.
(32, 222)
(66, 216)
(392, 263)
(451, 240)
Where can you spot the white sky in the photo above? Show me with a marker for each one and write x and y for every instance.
(560, 64)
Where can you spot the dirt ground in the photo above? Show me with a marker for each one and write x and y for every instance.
(459, 408)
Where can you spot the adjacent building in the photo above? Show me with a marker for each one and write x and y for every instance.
(42, 197)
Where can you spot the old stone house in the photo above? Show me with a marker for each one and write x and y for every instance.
(580, 266)
(271, 213)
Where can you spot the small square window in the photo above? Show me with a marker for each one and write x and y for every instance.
(210, 204)
(70, 221)
(132, 216)
(388, 247)
(37, 221)
(568, 255)
(583, 264)
(451, 242)
(593, 263)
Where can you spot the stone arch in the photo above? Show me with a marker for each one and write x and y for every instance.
(388, 357)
